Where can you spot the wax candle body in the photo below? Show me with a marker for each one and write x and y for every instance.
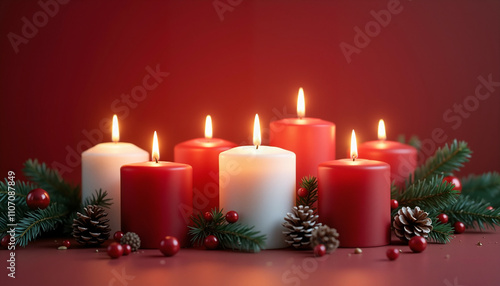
(311, 139)
(401, 157)
(203, 155)
(156, 200)
(260, 185)
(354, 198)
(101, 170)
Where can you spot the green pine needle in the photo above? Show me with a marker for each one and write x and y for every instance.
(446, 160)
(474, 214)
(440, 233)
(414, 141)
(310, 183)
(428, 194)
(234, 236)
(99, 198)
(483, 187)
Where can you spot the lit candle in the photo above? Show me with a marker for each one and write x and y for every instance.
(203, 155)
(101, 170)
(354, 198)
(311, 139)
(401, 157)
(258, 182)
(156, 199)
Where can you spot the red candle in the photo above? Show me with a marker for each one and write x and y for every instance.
(311, 139)
(354, 198)
(203, 155)
(401, 157)
(156, 199)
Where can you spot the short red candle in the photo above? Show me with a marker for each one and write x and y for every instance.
(311, 139)
(401, 157)
(156, 200)
(203, 155)
(354, 198)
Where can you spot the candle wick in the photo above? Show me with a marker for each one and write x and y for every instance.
(353, 158)
(256, 147)
(156, 159)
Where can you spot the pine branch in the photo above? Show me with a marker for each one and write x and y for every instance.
(440, 233)
(445, 161)
(20, 190)
(474, 214)
(99, 198)
(310, 183)
(231, 236)
(38, 221)
(414, 141)
(428, 194)
(483, 187)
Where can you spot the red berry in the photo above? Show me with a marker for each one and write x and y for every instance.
(66, 243)
(5, 241)
(115, 250)
(443, 218)
(490, 208)
(211, 242)
(394, 204)
(118, 236)
(37, 199)
(459, 227)
(417, 244)
(232, 216)
(302, 192)
(319, 250)
(127, 249)
(455, 181)
(169, 246)
(208, 216)
(392, 253)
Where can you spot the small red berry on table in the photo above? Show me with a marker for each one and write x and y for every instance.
(169, 246)
(459, 227)
(38, 199)
(455, 181)
(417, 244)
(392, 253)
(66, 243)
(5, 241)
(117, 236)
(127, 249)
(443, 218)
(115, 250)
(211, 242)
(319, 250)
(232, 216)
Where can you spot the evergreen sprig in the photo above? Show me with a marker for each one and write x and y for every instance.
(441, 232)
(474, 214)
(428, 194)
(483, 187)
(446, 160)
(233, 236)
(310, 183)
(414, 141)
(99, 197)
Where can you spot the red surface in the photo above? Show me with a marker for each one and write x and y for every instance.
(311, 139)
(157, 200)
(203, 155)
(419, 73)
(461, 262)
(401, 157)
(354, 197)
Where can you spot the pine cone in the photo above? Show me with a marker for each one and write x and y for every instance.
(91, 228)
(408, 223)
(300, 224)
(327, 236)
(132, 239)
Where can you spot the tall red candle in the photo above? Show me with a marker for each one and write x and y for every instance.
(401, 157)
(203, 155)
(354, 198)
(311, 139)
(156, 200)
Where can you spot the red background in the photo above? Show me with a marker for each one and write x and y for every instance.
(253, 60)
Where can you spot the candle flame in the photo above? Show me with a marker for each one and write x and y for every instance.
(115, 131)
(354, 146)
(156, 151)
(301, 105)
(381, 130)
(208, 127)
(256, 132)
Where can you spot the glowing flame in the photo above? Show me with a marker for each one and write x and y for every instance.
(381, 130)
(256, 132)
(208, 127)
(354, 146)
(301, 105)
(115, 132)
(156, 150)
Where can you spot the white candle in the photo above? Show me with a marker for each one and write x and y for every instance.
(258, 182)
(101, 170)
